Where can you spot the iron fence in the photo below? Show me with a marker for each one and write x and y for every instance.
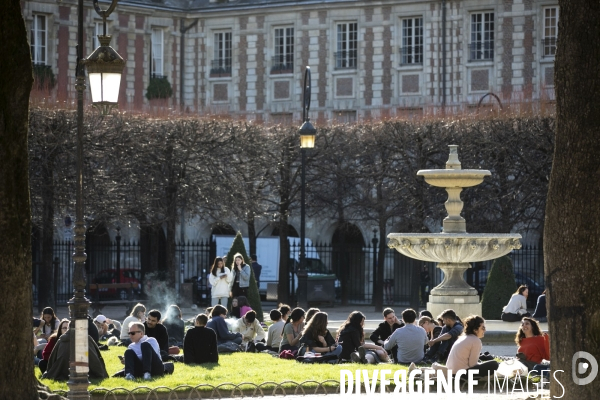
(354, 266)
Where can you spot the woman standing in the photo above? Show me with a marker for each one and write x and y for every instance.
(351, 336)
(219, 278)
(516, 308)
(241, 276)
(316, 336)
(290, 338)
(464, 354)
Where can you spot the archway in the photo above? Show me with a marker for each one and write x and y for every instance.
(97, 248)
(348, 262)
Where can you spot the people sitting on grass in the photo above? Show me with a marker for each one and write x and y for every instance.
(138, 314)
(59, 361)
(431, 328)
(235, 308)
(439, 348)
(352, 338)
(48, 326)
(200, 343)
(386, 328)
(155, 329)
(244, 305)
(142, 357)
(107, 327)
(275, 330)
(316, 337)
(292, 330)
(464, 354)
(285, 311)
(174, 325)
(63, 327)
(409, 340)
(218, 324)
(516, 308)
(253, 335)
(533, 345)
(309, 314)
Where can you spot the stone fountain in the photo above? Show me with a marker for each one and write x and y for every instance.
(454, 248)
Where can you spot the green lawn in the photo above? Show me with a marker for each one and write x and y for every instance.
(232, 368)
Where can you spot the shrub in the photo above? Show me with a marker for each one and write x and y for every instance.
(159, 88)
(253, 295)
(499, 288)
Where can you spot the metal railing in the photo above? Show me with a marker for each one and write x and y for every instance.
(411, 55)
(283, 64)
(220, 67)
(345, 59)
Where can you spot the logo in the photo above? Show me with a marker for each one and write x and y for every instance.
(579, 367)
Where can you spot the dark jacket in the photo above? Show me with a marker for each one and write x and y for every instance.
(175, 329)
(311, 342)
(219, 325)
(200, 346)
(540, 308)
(159, 332)
(350, 340)
(93, 330)
(384, 331)
(58, 364)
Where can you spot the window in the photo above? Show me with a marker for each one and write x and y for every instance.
(347, 44)
(550, 31)
(157, 56)
(98, 30)
(412, 41)
(283, 61)
(221, 64)
(39, 39)
(482, 36)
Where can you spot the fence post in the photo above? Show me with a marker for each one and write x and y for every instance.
(118, 239)
(374, 241)
(55, 266)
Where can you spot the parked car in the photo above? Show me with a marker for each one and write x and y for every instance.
(535, 289)
(127, 276)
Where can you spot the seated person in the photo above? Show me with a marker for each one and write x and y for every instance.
(138, 314)
(142, 357)
(107, 327)
(63, 327)
(235, 308)
(217, 323)
(316, 337)
(410, 340)
(175, 326)
(464, 354)
(540, 312)
(59, 361)
(292, 330)
(352, 338)
(386, 328)
(244, 305)
(431, 328)
(439, 348)
(253, 335)
(533, 345)
(516, 308)
(275, 330)
(200, 343)
(155, 329)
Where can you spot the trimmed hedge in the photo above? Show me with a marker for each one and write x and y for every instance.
(253, 295)
(159, 88)
(499, 288)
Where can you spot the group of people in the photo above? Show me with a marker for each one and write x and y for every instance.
(231, 282)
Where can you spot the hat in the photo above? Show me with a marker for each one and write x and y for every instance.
(100, 318)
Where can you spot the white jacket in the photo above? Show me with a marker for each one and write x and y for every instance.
(220, 286)
(516, 305)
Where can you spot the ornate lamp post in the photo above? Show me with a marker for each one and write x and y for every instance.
(103, 64)
(307, 141)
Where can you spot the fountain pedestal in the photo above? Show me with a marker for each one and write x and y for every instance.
(454, 292)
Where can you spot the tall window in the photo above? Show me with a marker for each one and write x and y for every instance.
(158, 46)
(412, 41)
(98, 30)
(283, 61)
(550, 31)
(221, 64)
(482, 36)
(39, 39)
(347, 45)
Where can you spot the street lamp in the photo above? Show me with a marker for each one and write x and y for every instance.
(105, 63)
(307, 141)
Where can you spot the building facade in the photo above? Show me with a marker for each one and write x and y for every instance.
(369, 59)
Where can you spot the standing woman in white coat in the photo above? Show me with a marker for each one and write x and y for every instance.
(219, 278)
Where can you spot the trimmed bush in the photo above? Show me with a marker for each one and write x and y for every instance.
(159, 88)
(499, 288)
(253, 295)
(43, 77)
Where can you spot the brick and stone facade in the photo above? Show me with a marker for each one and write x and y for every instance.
(384, 80)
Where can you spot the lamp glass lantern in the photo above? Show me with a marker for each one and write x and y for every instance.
(105, 67)
(307, 135)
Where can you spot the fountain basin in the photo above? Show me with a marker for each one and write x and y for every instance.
(454, 247)
(448, 178)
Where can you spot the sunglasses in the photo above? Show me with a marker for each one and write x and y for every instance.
(134, 332)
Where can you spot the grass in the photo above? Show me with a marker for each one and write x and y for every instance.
(233, 368)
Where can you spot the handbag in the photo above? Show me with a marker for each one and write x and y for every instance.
(510, 368)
